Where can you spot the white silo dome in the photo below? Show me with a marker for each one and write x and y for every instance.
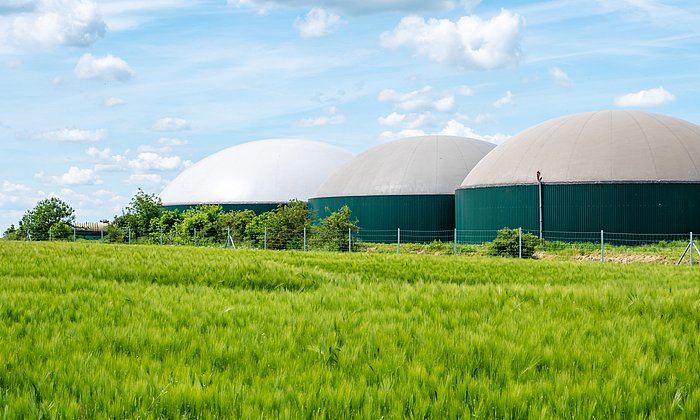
(431, 165)
(264, 171)
(604, 146)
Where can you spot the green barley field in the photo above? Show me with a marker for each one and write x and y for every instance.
(102, 331)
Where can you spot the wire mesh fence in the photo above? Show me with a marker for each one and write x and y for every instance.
(518, 243)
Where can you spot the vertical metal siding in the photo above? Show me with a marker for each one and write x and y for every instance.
(640, 208)
(389, 212)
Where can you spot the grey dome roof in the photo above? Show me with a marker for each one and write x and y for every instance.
(264, 171)
(604, 146)
(415, 165)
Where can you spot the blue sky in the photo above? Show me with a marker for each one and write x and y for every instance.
(102, 97)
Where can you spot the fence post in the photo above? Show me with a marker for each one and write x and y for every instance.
(73, 233)
(265, 238)
(195, 236)
(50, 236)
(520, 242)
(304, 238)
(454, 244)
(349, 239)
(228, 235)
(129, 235)
(691, 248)
(29, 235)
(602, 246)
(102, 235)
(398, 240)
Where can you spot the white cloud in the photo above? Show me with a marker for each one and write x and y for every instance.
(51, 22)
(445, 104)
(98, 154)
(650, 97)
(418, 100)
(333, 118)
(392, 119)
(507, 99)
(416, 121)
(151, 180)
(455, 128)
(358, 6)
(71, 134)
(108, 67)
(171, 124)
(560, 77)
(466, 91)
(317, 23)
(130, 14)
(9, 187)
(170, 142)
(112, 102)
(470, 42)
(478, 119)
(77, 176)
(146, 161)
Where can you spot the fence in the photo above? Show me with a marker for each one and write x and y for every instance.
(594, 246)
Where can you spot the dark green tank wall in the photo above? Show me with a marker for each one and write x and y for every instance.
(640, 208)
(388, 212)
(258, 208)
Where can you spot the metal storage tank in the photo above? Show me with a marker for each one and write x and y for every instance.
(258, 175)
(619, 171)
(407, 184)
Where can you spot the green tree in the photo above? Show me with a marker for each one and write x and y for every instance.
(506, 244)
(204, 218)
(166, 224)
(60, 230)
(237, 221)
(332, 231)
(39, 220)
(255, 229)
(136, 218)
(144, 208)
(10, 233)
(286, 225)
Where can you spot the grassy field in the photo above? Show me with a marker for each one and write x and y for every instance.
(94, 330)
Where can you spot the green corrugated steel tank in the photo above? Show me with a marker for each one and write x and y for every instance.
(407, 184)
(618, 171)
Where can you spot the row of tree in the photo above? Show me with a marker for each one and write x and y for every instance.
(144, 220)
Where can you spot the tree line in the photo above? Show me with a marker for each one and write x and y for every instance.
(144, 220)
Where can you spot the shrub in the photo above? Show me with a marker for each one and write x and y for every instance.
(60, 230)
(332, 232)
(506, 244)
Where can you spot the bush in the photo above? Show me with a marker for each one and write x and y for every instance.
(60, 230)
(506, 244)
(332, 232)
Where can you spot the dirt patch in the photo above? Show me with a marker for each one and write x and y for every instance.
(625, 258)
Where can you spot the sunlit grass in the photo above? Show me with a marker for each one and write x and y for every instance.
(92, 330)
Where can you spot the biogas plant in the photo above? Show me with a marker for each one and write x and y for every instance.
(619, 171)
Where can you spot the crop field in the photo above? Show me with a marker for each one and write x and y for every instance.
(97, 331)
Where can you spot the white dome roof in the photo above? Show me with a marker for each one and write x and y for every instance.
(415, 165)
(265, 171)
(603, 146)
